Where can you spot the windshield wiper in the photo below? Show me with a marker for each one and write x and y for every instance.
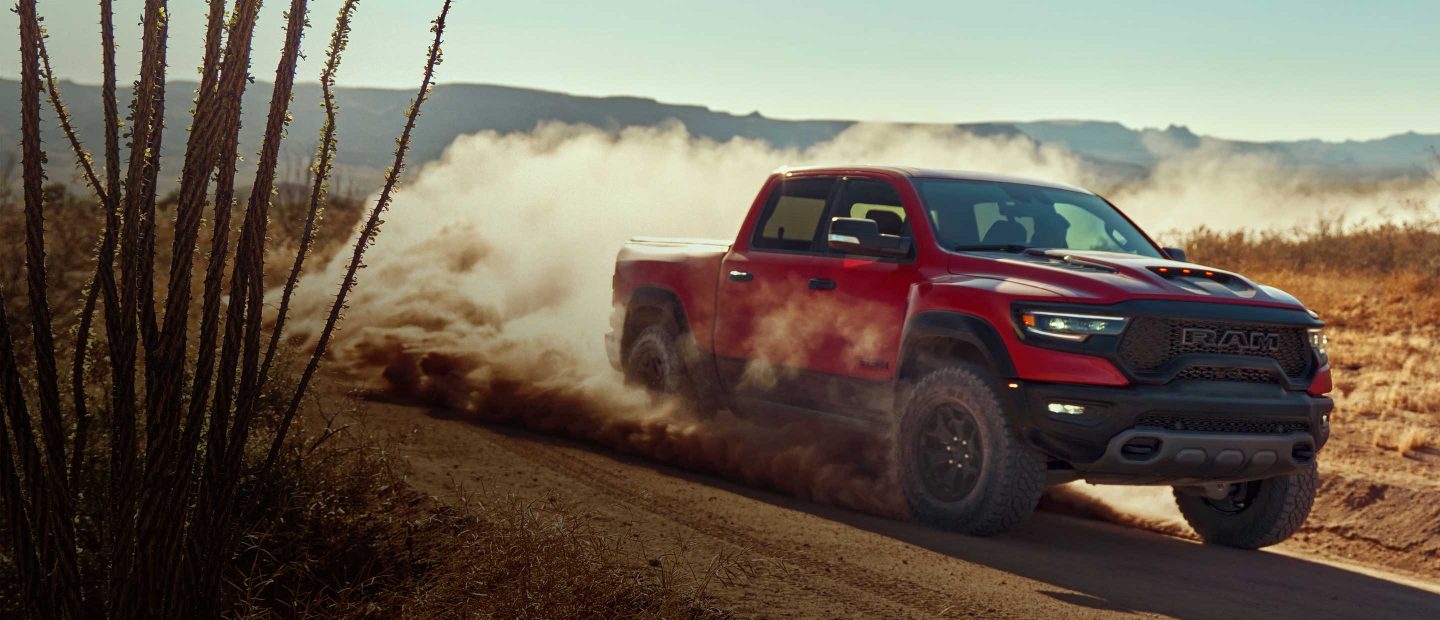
(1012, 248)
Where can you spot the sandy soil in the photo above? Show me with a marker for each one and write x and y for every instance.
(1377, 503)
(816, 561)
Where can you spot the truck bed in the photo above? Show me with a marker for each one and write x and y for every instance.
(689, 267)
(699, 244)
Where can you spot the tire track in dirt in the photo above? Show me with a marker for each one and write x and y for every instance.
(538, 461)
(898, 593)
(829, 562)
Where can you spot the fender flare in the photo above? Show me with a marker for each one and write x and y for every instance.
(656, 297)
(700, 366)
(969, 329)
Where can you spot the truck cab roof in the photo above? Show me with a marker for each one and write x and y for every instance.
(929, 173)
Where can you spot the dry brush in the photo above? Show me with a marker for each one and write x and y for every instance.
(128, 503)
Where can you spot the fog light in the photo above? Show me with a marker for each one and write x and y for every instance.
(1067, 408)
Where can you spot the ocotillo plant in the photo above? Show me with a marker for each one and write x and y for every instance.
(179, 414)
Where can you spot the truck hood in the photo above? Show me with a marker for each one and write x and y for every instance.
(1109, 277)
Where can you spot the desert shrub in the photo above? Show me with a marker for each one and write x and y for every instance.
(1404, 239)
(1375, 249)
(140, 420)
(1413, 439)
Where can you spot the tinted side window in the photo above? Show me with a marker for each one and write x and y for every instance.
(968, 214)
(792, 217)
(870, 199)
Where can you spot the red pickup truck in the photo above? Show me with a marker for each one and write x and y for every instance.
(1006, 333)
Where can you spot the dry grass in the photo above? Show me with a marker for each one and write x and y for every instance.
(1413, 440)
(1410, 442)
(72, 231)
(1376, 287)
(1408, 243)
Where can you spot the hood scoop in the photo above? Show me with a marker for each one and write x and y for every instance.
(1067, 261)
(1206, 281)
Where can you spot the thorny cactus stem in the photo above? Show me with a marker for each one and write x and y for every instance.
(169, 526)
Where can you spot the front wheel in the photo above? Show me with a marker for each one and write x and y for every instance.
(961, 464)
(1249, 515)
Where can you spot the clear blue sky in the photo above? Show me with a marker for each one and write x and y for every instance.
(1245, 70)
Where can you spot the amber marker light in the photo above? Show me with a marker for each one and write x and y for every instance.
(1029, 320)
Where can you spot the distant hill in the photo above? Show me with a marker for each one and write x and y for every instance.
(371, 118)
(1397, 155)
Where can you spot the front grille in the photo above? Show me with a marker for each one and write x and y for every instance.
(1221, 425)
(1218, 373)
(1150, 343)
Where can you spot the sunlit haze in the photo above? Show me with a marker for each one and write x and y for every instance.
(1240, 70)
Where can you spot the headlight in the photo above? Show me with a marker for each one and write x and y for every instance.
(1318, 341)
(1067, 326)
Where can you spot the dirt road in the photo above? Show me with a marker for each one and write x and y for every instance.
(818, 561)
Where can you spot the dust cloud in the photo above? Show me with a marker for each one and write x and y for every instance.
(1148, 508)
(1220, 188)
(489, 290)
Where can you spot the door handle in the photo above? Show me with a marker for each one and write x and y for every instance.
(821, 284)
(741, 276)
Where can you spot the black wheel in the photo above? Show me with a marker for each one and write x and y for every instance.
(961, 465)
(657, 363)
(1249, 515)
(654, 362)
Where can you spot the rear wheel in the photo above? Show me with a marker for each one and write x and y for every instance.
(1249, 515)
(961, 465)
(655, 362)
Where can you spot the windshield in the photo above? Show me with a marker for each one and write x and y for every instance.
(989, 215)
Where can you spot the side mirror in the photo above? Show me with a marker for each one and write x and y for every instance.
(1176, 254)
(858, 236)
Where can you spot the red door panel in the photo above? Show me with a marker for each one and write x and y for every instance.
(864, 318)
(765, 334)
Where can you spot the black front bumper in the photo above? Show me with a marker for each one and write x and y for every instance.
(1180, 433)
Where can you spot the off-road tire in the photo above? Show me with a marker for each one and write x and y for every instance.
(1011, 475)
(656, 361)
(1276, 508)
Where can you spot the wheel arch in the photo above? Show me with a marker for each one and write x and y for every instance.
(935, 339)
(652, 305)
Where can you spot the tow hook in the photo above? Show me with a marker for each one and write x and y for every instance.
(1217, 490)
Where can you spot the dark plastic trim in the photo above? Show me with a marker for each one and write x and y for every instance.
(966, 328)
(1186, 458)
(1084, 439)
(1108, 347)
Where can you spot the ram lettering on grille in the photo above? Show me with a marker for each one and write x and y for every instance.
(1149, 343)
(1257, 341)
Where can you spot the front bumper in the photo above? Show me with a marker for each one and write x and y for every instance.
(1180, 433)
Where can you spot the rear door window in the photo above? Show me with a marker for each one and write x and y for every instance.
(873, 199)
(793, 216)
